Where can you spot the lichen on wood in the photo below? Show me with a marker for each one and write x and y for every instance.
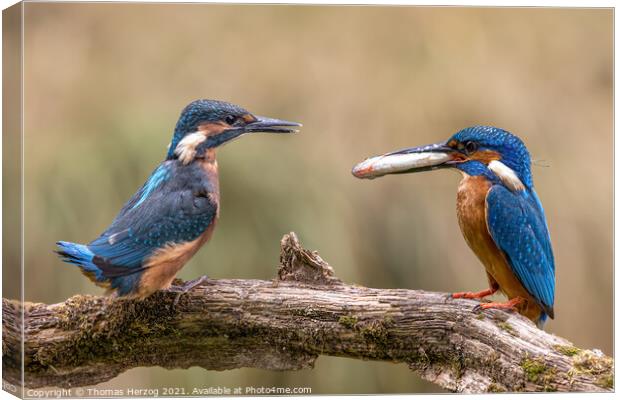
(285, 324)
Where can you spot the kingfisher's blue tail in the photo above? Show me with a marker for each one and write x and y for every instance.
(540, 323)
(80, 255)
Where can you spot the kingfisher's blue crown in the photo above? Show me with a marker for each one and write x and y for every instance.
(512, 150)
(200, 111)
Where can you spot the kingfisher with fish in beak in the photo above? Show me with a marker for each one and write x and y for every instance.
(498, 210)
(174, 213)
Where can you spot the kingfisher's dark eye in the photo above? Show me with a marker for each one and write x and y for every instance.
(230, 119)
(470, 147)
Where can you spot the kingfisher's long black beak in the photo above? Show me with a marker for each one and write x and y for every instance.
(413, 159)
(265, 124)
(261, 124)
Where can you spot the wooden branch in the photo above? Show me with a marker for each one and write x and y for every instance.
(285, 324)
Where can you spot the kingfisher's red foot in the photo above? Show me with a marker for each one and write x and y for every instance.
(474, 295)
(509, 305)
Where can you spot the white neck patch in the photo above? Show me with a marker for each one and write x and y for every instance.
(506, 175)
(186, 149)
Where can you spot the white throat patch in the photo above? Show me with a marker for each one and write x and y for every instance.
(506, 175)
(186, 149)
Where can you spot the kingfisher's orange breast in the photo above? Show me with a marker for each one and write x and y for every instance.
(471, 213)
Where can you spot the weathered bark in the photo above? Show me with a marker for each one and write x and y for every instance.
(285, 324)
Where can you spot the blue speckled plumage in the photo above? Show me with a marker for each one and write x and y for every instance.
(174, 212)
(499, 212)
(512, 150)
(159, 176)
(194, 114)
(517, 225)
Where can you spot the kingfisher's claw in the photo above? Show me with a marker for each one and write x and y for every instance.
(186, 287)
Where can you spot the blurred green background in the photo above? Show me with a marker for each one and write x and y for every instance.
(104, 84)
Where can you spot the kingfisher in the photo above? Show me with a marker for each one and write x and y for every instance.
(498, 210)
(174, 213)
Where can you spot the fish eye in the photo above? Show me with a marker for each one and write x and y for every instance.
(470, 146)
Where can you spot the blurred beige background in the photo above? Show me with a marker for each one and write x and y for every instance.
(104, 84)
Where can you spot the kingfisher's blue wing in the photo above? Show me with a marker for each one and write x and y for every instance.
(164, 211)
(516, 222)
